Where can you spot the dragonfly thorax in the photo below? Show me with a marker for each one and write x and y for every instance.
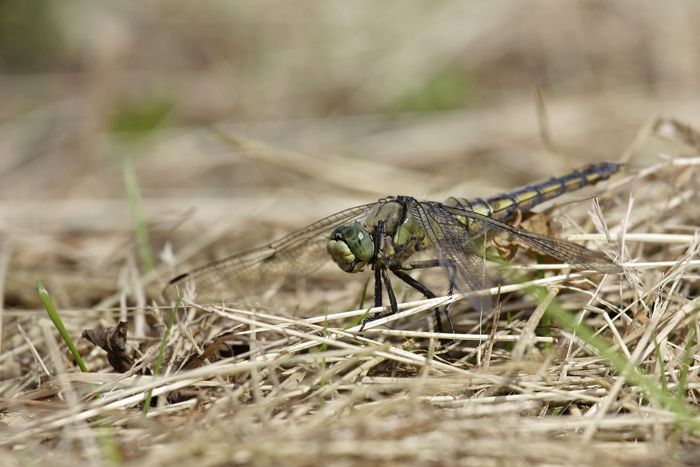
(403, 233)
(350, 247)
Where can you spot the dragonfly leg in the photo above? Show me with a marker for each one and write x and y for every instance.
(377, 296)
(384, 278)
(380, 277)
(447, 307)
(428, 294)
(390, 293)
(377, 287)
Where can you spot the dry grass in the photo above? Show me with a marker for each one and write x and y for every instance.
(396, 396)
(324, 108)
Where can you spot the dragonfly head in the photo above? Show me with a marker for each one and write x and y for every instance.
(350, 247)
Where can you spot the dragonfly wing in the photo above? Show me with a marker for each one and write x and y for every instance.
(570, 253)
(268, 267)
(458, 254)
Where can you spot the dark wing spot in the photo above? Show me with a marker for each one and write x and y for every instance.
(179, 278)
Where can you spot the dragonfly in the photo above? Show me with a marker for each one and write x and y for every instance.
(386, 236)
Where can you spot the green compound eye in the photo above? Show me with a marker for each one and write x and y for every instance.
(337, 232)
(359, 241)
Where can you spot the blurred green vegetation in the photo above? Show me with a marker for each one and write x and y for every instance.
(30, 36)
(449, 88)
(135, 118)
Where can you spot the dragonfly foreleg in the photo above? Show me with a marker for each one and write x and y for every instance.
(384, 278)
(390, 293)
(379, 243)
(380, 276)
(377, 265)
(377, 287)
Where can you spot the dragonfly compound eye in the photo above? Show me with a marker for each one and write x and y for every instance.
(337, 233)
(350, 247)
(360, 242)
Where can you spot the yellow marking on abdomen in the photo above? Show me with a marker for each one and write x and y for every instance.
(525, 198)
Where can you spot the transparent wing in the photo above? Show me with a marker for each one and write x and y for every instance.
(570, 253)
(268, 267)
(457, 252)
(462, 261)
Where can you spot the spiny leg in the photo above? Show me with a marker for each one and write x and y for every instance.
(450, 291)
(447, 342)
(447, 309)
(422, 289)
(390, 293)
(377, 296)
(409, 266)
(377, 287)
(429, 294)
(380, 277)
(383, 278)
(378, 266)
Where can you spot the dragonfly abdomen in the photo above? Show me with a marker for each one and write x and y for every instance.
(502, 206)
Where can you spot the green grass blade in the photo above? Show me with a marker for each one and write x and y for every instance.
(660, 359)
(160, 354)
(685, 368)
(56, 319)
(364, 294)
(634, 374)
(324, 347)
(140, 227)
(509, 345)
(358, 320)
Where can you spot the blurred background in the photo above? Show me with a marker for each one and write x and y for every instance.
(243, 121)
